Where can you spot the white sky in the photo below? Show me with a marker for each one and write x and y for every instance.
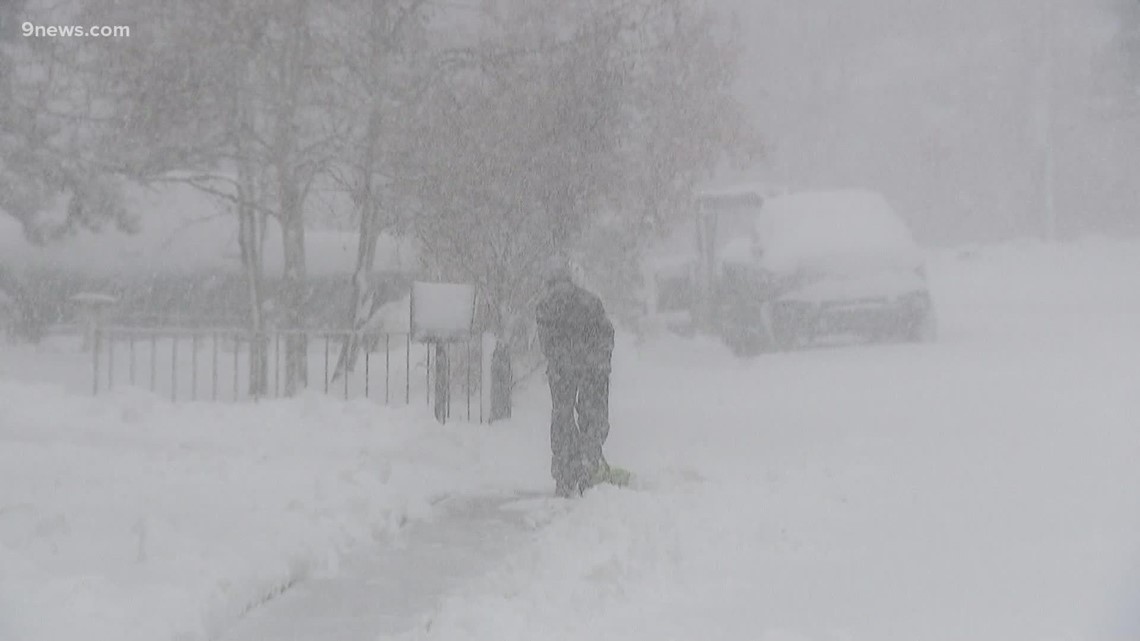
(938, 105)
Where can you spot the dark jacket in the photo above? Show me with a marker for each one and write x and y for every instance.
(573, 329)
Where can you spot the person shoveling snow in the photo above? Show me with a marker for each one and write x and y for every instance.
(577, 340)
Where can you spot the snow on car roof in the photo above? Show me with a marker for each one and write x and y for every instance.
(842, 229)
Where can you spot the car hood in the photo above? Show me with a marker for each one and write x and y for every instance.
(881, 284)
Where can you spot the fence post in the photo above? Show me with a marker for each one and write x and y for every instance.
(277, 363)
(441, 382)
(214, 377)
(95, 348)
(153, 361)
(408, 371)
(487, 346)
(467, 384)
(194, 367)
(174, 367)
(482, 372)
(256, 376)
(367, 353)
(237, 364)
(501, 381)
(109, 338)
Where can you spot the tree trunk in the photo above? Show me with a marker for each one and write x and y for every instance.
(363, 303)
(292, 187)
(364, 196)
(293, 295)
(250, 234)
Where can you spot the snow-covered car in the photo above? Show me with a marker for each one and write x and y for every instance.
(824, 264)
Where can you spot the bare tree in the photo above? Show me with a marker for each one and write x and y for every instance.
(385, 56)
(248, 118)
(55, 140)
(566, 116)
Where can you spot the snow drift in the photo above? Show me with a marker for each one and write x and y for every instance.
(127, 517)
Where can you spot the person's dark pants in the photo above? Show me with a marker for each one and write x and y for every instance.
(579, 424)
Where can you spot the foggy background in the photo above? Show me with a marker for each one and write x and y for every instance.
(491, 134)
(217, 420)
(948, 107)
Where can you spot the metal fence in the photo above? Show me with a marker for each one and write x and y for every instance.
(215, 365)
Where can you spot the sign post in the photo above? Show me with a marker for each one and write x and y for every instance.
(441, 314)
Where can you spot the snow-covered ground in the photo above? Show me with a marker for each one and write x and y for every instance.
(127, 517)
(983, 487)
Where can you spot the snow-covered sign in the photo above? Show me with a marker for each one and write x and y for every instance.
(94, 307)
(442, 311)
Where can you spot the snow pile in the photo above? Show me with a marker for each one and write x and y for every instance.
(1038, 293)
(834, 231)
(1092, 277)
(126, 517)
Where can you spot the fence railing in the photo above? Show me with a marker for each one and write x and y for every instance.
(221, 365)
